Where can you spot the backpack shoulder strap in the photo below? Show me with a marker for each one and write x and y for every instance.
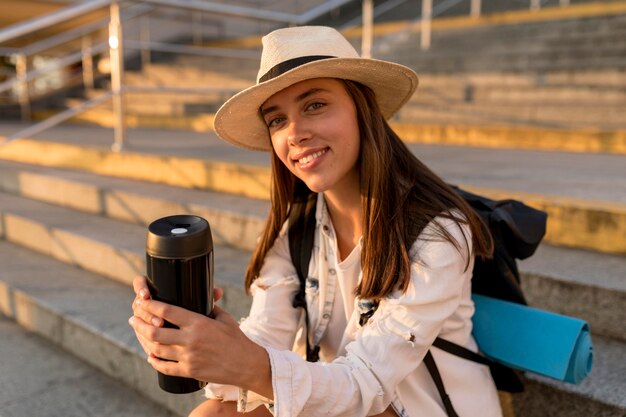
(429, 361)
(301, 235)
(506, 379)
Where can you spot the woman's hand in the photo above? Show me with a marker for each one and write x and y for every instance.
(141, 286)
(211, 350)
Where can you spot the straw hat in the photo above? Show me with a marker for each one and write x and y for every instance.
(301, 53)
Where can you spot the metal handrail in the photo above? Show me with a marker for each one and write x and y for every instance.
(57, 118)
(61, 63)
(74, 33)
(70, 12)
(378, 10)
(229, 10)
(320, 10)
(54, 18)
(24, 75)
(63, 37)
(252, 13)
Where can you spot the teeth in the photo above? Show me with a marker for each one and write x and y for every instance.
(311, 157)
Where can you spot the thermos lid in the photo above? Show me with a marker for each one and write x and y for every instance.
(180, 236)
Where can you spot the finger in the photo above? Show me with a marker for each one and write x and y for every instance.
(143, 343)
(165, 367)
(223, 316)
(166, 352)
(176, 315)
(152, 348)
(218, 293)
(141, 287)
(138, 311)
(152, 334)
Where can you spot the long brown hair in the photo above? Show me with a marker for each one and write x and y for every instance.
(399, 197)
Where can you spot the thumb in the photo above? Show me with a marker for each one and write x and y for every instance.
(218, 293)
(223, 316)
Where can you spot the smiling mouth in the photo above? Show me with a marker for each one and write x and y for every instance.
(311, 157)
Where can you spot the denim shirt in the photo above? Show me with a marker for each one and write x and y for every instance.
(379, 362)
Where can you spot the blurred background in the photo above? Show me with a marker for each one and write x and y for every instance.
(106, 112)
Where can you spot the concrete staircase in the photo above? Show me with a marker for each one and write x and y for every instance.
(548, 70)
(594, 39)
(73, 219)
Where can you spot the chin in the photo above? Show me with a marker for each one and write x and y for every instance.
(316, 187)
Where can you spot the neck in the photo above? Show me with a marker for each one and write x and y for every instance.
(344, 209)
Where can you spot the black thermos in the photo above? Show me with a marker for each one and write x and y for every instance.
(179, 263)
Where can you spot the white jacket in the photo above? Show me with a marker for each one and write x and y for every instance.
(379, 363)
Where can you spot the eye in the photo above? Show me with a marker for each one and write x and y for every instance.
(273, 122)
(315, 106)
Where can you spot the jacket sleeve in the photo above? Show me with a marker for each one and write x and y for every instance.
(389, 347)
(273, 321)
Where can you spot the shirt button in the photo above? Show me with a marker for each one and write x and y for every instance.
(332, 271)
(325, 228)
(326, 315)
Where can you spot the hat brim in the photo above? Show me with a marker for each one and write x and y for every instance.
(239, 121)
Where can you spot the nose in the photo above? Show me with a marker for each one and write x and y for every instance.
(297, 132)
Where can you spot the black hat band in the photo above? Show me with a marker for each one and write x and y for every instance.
(290, 64)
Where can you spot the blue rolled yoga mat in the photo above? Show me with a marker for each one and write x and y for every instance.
(534, 340)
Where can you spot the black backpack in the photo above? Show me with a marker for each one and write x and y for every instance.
(516, 229)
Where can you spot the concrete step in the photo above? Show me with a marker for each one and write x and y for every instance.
(39, 379)
(540, 45)
(67, 308)
(574, 78)
(85, 314)
(101, 245)
(224, 73)
(566, 96)
(578, 283)
(600, 395)
(555, 114)
(552, 277)
(531, 39)
(606, 58)
(235, 221)
(582, 193)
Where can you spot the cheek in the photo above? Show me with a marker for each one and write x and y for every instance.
(280, 148)
(355, 142)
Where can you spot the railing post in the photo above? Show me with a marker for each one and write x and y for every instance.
(144, 38)
(427, 10)
(368, 28)
(21, 72)
(475, 10)
(116, 51)
(87, 60)
(535, 5)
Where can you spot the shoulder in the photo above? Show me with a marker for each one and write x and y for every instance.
(445, 238)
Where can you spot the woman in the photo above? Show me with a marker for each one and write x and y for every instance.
(391, 263)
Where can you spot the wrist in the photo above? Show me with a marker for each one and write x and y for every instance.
(258, 375)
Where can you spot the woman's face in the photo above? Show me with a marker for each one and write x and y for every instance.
(314, 131)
